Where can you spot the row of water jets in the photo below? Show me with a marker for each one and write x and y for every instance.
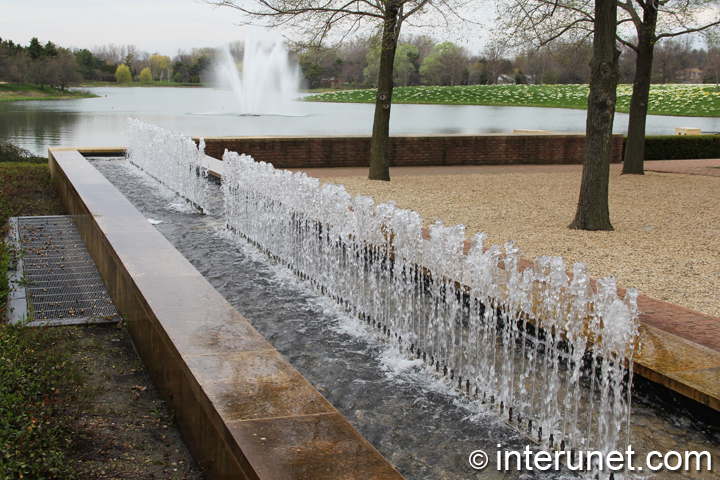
(173, 160)
(546, 353)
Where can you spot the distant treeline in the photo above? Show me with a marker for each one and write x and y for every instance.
(420, 60)
(50, 65)
(43, 65)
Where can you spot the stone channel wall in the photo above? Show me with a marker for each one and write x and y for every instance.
(412, 150)
(242, 409)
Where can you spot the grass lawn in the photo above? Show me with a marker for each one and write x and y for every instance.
(10, 92)
(679, 100)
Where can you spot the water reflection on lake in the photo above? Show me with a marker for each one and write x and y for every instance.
(96, 122)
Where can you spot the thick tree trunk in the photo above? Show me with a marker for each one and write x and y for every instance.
(593, 212)
(634, 156)
(379, 161)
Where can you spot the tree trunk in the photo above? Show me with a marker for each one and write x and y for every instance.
(634, 156)
(379, 160)
(593, 212)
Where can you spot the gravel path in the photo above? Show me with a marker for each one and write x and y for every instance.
(666, 241)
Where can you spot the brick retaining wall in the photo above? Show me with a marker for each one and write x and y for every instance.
(413, 150)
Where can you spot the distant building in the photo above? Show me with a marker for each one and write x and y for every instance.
(691, 75)
(505, 80)
(331, 82)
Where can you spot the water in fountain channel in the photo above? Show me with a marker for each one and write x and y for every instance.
(414, 418)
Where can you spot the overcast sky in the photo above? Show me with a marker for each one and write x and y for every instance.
(161, 26)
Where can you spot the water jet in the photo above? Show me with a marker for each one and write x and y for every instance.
(266, 82)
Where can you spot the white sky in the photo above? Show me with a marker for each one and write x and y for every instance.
(161, 26)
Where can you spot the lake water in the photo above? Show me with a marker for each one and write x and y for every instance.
(100, 122)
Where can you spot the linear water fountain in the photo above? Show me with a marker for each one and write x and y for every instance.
(547, 354)
(183, 169)
(516, 341)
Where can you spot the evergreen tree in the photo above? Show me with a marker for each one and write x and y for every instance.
(35, 50)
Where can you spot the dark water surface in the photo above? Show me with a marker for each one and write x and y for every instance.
(413, 418)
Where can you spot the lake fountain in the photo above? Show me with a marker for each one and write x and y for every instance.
(267, 80)
(547, 355)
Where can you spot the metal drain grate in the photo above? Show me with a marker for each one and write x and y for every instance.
(60, 282)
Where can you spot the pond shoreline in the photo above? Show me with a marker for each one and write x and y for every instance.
(25, 92)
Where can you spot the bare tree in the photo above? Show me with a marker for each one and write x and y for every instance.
(666, 62)
(132, 55)
(68, 70)
(494, 53)
(628, 61)
(43, 72)
(354, 53)
(712, 61)
(593, 211)
(115, 54)
(536, 63)
(641, 25)
(314, 20)
(19, 67)
(424, 44)
(572, 60)
(236, 49)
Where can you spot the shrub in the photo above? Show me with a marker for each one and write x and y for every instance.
(146, 75)
(681, 147)
(123, 75)
(12, 153)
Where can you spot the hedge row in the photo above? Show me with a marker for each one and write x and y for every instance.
(681, 147)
